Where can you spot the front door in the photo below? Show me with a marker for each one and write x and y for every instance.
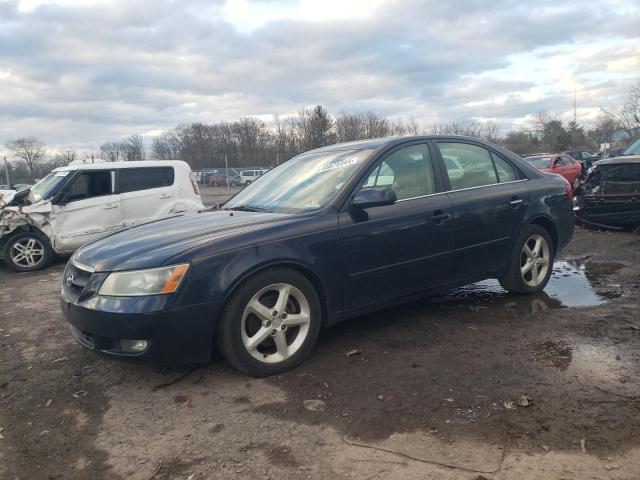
(489, 203)
(389, 251)
(146, 193)
(86, 208)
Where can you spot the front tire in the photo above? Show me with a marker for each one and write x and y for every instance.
(27, 252)
(530, 261)
(270, 323)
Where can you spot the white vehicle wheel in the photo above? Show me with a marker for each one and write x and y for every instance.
(28, 251)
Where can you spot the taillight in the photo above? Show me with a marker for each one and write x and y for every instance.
(194, 184)
(569, 189)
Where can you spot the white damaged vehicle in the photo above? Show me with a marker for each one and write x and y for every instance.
(76, 204)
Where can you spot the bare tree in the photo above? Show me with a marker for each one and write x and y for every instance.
(68, 156)
(469, 128)
(132, 148)
(491, 131)
(28, 149)
(110, 152)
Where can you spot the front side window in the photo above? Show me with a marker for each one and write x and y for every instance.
(48, 186)
(564, 161)
(382, 176)
(476, 165)
(407, 171)
(88, 185)
(134, 179)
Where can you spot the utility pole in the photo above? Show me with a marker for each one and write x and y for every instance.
(226, 167)
(6, 169)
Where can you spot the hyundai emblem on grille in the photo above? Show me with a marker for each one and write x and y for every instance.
(70, 279)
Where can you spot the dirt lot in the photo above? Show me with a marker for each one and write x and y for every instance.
(428, 396)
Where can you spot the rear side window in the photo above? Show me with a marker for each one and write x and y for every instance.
(470, 166)
(506, 172)
(134, 179)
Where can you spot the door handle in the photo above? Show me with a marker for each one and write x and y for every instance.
(516, 202)
(439, 217)
(165, 195)
(110, 206)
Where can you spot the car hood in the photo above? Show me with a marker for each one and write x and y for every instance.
(154, 243)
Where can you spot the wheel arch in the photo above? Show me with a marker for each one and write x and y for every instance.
(299, 267)
(549, 226)
(25, 228)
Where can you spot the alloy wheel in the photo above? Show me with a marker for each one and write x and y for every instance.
(275, 323)
(534, 260)
(27, 252)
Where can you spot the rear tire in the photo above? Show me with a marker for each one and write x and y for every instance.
(28, 251)
(270, 323)
(530, 261)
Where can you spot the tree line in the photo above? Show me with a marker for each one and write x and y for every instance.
(253, 142)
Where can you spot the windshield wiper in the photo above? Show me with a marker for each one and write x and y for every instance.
(248, 208)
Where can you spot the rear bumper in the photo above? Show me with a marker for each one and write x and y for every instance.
(176, 336)
(566, 226)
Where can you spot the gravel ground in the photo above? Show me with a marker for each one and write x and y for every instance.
(473, 384)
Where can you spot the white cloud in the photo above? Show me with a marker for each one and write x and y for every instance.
(82, 72)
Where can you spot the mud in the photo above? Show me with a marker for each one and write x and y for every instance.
(438, 379)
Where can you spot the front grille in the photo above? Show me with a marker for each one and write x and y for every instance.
(74, 280)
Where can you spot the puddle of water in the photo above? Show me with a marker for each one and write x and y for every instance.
(572, 284)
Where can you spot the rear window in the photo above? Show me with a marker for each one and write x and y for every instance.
(539, 162)
(133, 179)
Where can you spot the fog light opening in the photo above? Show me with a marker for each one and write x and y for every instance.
(133, 346)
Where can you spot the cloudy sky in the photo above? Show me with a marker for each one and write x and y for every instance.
(77, 73)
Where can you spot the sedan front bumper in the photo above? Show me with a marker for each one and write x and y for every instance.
(175, 336)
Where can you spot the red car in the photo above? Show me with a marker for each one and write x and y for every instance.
(564, 165)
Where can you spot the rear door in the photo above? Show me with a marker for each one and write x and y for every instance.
(393, 250)
(146, 193)
(85, 209)
(489, 202)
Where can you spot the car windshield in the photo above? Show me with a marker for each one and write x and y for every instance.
(633, 149)
(47, 186)
(539, 162)
(304, 183)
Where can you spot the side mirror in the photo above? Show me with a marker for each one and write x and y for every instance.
(61, 199)
(374, 197)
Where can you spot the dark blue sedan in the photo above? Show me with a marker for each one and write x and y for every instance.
(330, 234)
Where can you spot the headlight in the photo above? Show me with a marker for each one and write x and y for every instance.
(154, 281)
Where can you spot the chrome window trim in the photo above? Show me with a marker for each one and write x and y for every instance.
(463, 189)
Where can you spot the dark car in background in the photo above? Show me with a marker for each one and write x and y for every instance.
(610, 195)
(328, 235)
(587, 158)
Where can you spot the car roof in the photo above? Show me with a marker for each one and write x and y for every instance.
(376, 143)
(132, 164)
(619, 160)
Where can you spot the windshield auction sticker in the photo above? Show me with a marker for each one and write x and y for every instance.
(340, 163)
